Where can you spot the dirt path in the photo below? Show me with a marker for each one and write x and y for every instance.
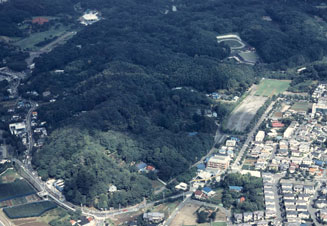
(4, 220)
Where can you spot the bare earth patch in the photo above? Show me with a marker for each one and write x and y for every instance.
(29, 222)
(187, 215)
(244, 113)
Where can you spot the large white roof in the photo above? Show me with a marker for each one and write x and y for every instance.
(90, 16)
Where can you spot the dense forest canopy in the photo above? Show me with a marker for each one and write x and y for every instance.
(133, 86)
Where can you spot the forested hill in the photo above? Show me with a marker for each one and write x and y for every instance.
(134, 84)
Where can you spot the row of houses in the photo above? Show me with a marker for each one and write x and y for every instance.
(259, 217)
(296, 198)
(249, 217)
(262, 152)
(269, 195)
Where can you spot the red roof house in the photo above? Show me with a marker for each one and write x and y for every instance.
(199, 195)
(276, 124)
(40, 20)
(150, 168)
(242, 199)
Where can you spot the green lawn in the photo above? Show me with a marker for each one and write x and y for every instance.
(270, 87)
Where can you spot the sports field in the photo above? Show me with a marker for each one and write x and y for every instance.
(270, 87)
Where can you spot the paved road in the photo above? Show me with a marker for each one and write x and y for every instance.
(276, 179)
(311, 210)
(3, 220)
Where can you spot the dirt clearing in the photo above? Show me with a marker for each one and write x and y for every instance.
(244, 113)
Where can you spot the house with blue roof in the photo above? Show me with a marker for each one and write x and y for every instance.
(236, 188)
(235, 138)
(201, 166)
(141, 166)
(319, 163)
(191, 134)
(208, 191)
(215, 96)
(222, 151)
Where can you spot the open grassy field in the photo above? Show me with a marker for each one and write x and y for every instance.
(270, 87)
(34, 209)
(30, 41)
(18, 188)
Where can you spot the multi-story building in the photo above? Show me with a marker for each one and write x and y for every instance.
(218, 162)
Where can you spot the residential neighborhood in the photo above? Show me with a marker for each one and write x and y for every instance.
(288, 153)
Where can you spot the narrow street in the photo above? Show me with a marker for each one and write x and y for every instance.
(277, 197)
(311, 210)
(3, 220)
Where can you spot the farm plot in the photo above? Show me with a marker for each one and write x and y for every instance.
(19, 201)
(9, 176)
(29, 222)
(16, 189)
(270, 87)
(34, 209)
